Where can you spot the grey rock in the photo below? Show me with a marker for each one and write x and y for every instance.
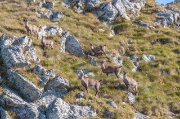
(13, 57)
(148, 58)
(29, 111)
(86, 72)
(4, 114)
(24, 86)
(118, 60)
(11, 99)
(44, 78)
(134, 57)
(80, 95)
(53, 15)
(58, 83)
(92, 60)
(141, 116)
(119, 5)
(90, 4)
(131, 98)
(22, 42)
(112, 103)
(108, 114)
(31, 54)
(39, 70)
(5, 41)
(49, 30)
(48, 5)
(107, 12)
(62, 110)
(70, 44)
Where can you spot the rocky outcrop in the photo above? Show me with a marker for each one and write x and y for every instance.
(90, 4)
(144, 24)
(31, 54)
(49, 30)
(29, 111)
(4, 114)
(70, 44)
(62, 110)
(107, 12)
(24, 86)
(44, 78)
(22, 42)
(131, 98)
(11, 99)
(39, 70)
(13, 57)
(112, 103)
(58, 83)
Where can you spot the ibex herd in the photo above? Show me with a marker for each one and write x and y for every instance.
(33, 29)
(97, 50)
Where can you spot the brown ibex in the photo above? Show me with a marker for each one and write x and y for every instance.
(129, 82)
(88, 82)
(98, 49)
(110, 69)
(31, 28)
(46, 42)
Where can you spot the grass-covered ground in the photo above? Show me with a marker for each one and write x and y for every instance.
(158, 94)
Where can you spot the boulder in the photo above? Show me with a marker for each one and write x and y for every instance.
(39, 70)
(141, 116)
(29, 111)
(58, 83)
(4, 114)
(22, 42)
(31, 54)
(148, 58)
(108, 114)
(112, 103)
(107, 12)
(24, 86)
(5, 41)
(13, 57)
(11, 99)
(92, 60)
(134, 57)
(44, 78)
(49, 30)
(120, 7)
(70, 44)
(118, 60)
(53, 15)
(62, 110)
(90, 4)
(131, 98)
(48, 5)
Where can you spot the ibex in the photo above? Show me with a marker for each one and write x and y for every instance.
(98, 49)
(46, 42)
(110, 69)
(31, 28)
(129, 82)
(87, 82)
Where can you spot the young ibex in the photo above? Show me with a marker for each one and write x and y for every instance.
(98, 49)
(129, 82)
(46, 42)
(87, 82)
(31, 28)
(110, 69)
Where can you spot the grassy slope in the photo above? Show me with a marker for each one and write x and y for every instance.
(158, 94)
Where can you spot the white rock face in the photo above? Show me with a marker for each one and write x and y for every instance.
(62, 110)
